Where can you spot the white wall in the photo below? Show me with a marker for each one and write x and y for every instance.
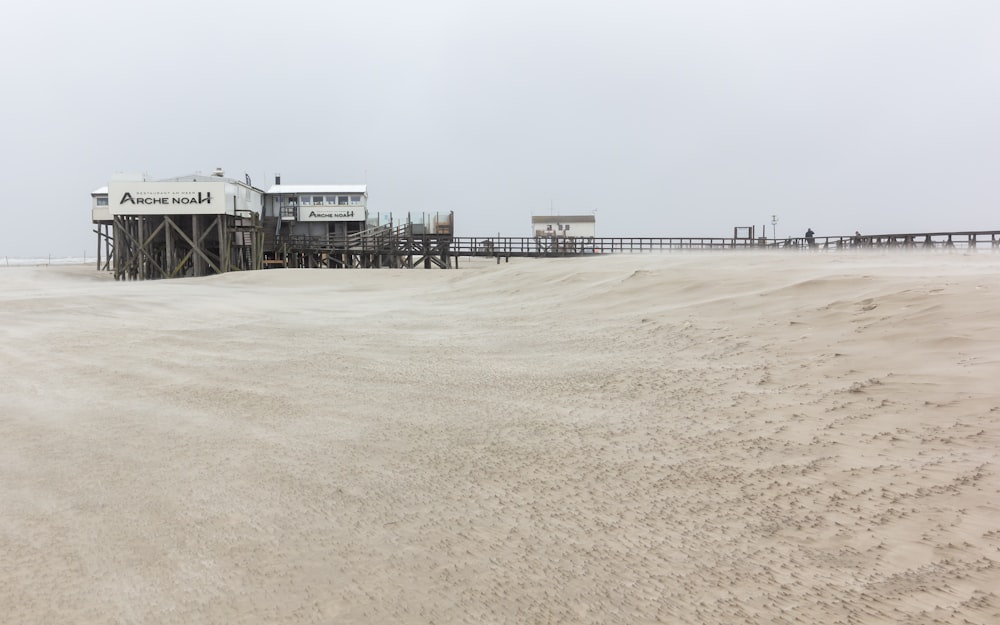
(99, 213)
(555, 227)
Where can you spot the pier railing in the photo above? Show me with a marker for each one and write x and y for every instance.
(576, 246)
(402, 245)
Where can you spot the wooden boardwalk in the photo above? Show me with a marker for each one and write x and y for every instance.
(400, 247)
(158, 246)
(506, 247)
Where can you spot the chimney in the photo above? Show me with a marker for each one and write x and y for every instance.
(277, 178)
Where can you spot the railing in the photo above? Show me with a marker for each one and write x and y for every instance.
(573, 246)
(967, 240)
(370, 239)
(383, 237)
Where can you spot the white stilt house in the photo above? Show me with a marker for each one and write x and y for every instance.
(564, 226)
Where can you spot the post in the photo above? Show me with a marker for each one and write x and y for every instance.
(199, 261)
(223, 244)
(168, 234)
(140, 241)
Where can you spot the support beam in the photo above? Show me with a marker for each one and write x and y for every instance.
(200, 254)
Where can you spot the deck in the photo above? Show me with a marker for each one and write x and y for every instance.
(506, 247)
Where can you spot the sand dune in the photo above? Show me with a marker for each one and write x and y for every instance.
(683, 438)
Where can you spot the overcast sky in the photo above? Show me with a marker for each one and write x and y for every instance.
(667, 118)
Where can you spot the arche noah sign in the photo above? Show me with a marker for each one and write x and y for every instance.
(165, 198)
(205, 198)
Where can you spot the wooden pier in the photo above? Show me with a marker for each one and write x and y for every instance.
(541, 247)
(147, 247)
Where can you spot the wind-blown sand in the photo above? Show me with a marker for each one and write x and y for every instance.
(684, 438)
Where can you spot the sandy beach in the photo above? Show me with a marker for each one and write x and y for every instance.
(715, 438)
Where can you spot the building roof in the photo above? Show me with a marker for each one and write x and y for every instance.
(194, 178)
(566, 219)
(100, 191)
(317, 188)
(197, 177)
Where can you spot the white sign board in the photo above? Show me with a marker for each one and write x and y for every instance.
(332, 213)
(167, 198)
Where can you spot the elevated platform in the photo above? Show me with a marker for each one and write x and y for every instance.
(149, 247)
(392, 246)
(166, 246)
(539, 247)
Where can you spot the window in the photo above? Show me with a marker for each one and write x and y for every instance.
(317, 199)
(342, 200)
(331, 200)
(566, 227)
(305, 200)
(102, 201)
(355, 200)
